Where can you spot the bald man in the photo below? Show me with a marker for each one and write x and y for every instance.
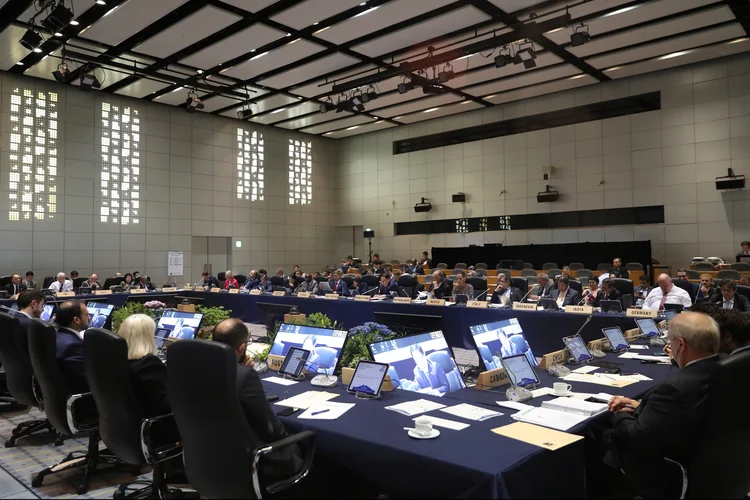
(666, 293)
(660, 425)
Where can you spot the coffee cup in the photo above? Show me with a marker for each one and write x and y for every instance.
(423, 426)
(561, 388)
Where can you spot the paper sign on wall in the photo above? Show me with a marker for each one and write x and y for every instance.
(175, 263)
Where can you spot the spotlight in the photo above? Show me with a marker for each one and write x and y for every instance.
(526, 56)
(357, 100)
(62, 73)
(59, 18)
(192, 103)
(31, 40)
(447, 74)
(244, 113)
(327, 106)
(580, 35)
(405, 87)
(503, 60)
(433, 89)
(370, 95)
(89, 81)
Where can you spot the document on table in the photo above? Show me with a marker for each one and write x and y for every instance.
(448, 424)
(307, 399)
(593, 379)
(640, 347)
(645, 357)
(279, 380)
(538, 436)
(411, 408)
(585, 369)
(326, 411)
(547, 417)
(542, 392)
(513, 405)
(471, 412)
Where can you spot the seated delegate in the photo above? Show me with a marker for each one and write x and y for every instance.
(564, 295)
(608, 292)
(61, 284)
(439, 288)
(504, 293)
(429, 377)
(15, 286)
(230, 281)
(461, 287)
(73, 320)
(728, 298)
(666, 293)
(30, 305)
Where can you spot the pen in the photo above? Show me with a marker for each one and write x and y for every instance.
(319, 412)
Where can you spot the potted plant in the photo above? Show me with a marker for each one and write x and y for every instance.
(356, 347)
(212, 316)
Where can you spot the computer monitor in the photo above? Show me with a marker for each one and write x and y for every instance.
(520, 372)
(409, 323)
(616, 339)
(99, 313)
(611, 306)
(669, 314)
(180, 325)
(273, 313)
(577, 348)
(500, 339)
(325, 345)
(48, 312)
(9, 310)
(421, 363)
(648, 327)
(674, 307)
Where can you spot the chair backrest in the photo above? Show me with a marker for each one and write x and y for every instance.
(78, 282)
(371, 280)
(479, 285)
(47, 281)
(549, 265)
(740, 266)
(55, 392)
(5, 280)
(575, 266)
(16, 362)
(520, 283)
(584, 280)
(428, 278)
(703, 266)
(741, 289)
(690, 288)
(715, 260)
(505, 272)
(460, 265)
(442, 265)
(222, 276)
(457, 270)
(634, 266)
(576, 285)
(320, 279)
(693, 275)
(603, 266)
(406, 280)
(584, 273)
(528, 265)
(532, 280)
(105, 356)
(480, 265)
(349, 280)
(216, 438)
(553, 273)
(240, 278)
(481, 273)
(624, 286)
(728, 274)
(528, 272)
(276, 280)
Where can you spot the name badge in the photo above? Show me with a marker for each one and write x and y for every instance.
(435, 302)
(640, 313)
(102, 292)
(169, 289)
(65, 294)
(138, 290)
(524, 306)
(234, 291)
(552, 358)
(579, 309)
(215, 289)
(332, 296)
(279, 293)
(492, 378)
(479, 304)
(188, 287)
(598, 345)
(362, 298)
(304, 295)
(402, 300)
(255, 292)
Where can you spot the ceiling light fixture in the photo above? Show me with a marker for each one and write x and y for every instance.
(89, 81)
(101, 2)
(674, 54)
(19, 63)
(430, 110)
(737, 40)
(620, 11)
(527, 56)
(60, 17)
(364, 12)
(62, 73)
(447, 74)
(327, 106)
(504, 58)
(193, 102)
(58, 34)
(74, 23)
(405, 86)
(31, 40)
(580, 35)
(245, 113)
(433, 89)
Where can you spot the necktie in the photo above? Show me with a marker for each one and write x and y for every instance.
(663, 301)
(335, 286)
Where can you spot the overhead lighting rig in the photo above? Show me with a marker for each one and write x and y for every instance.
(89, 79)
(525, 55)
(580, 35)
(504, 58)
(192, 102)
(58, 18)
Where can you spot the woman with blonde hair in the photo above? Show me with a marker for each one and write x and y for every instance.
(148, 375)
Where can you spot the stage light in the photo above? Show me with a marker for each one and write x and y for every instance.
(192, 102)
(370, 95)
(580, 35)
(327, 106)
(503, 60)
(405, 87)
(31, 40)
(526, 56)
(62, 73)
(433, 89)
(447, 74)
(89, 81)
(245, 113)
(59, 18)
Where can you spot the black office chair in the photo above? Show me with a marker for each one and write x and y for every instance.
(504, 271)
(409, 284)
(624, 286)
(603, 267)
(549, 265)
(520, 283)
(583, 273)
(123, 428)
(480, 265)
(528, 273)
(5, 281)
(740, 266)
(575, 266)
(482, 273)
(479, 285)
(460, 265)
(47, 281)
(371, 280)
(63, 409)
(741, 289)
(690, 288)
(221, 453)
(575, 285)
(442, 265)
(348, 280)
(276, 280)
(19, 377)
(528, 265)
(728, 274)
(634, 266)
(703, 266)
(320, 279)
(693, 275)
(78, 282)
(553, 273)
(240, 278)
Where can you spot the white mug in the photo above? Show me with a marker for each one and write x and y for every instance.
(561, 387)
(423, 425)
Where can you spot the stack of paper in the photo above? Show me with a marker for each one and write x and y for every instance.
(471, 412)
(601, 379)
(307, 399)
(577, 406)
(411, 408)
(550, 418)
(280, 381)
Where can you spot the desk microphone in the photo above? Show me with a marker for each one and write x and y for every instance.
(483, 293)
(586, 293)
(370, 290)
(531, 290)
(295, 290)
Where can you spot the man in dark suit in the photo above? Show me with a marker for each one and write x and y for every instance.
(504, 293)
(145, 284)
(544, 290)
(386, 285)
(661, 424)
(338, 285)
(707, 288)
(207, 281)
(734, 328)
(564, 295)
(15, 286)
(729, 298)
(745, 251)
(426, 260)
(617, 270)
(347, 264)
(440, 289)
(608, 292)
(259, 414)
(30, 306)
(73, 320)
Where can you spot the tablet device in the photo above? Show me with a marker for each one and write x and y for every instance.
(520, 372)
(673, 307)
(294, 362)
(160, 337)
(648, 327)
(500, 339)
(669, 314)
(461, 298)
(611, 306)
(47, 312)
(550, 304)
(578, 349)
(368, 378)
(616, 338)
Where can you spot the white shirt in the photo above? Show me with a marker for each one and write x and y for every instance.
(727, 304)
(66, 287)
(675, 296)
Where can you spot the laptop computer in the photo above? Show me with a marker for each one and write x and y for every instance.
(611, 306)
(549, 304)
(325, 286)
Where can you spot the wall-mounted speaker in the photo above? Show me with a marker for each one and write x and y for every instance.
(547, 196)
(459, 198)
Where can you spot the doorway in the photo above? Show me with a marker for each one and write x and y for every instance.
(210, 253)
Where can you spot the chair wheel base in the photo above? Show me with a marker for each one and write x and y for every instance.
(37, 482)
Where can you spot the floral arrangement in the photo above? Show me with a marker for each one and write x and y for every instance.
(359, 338)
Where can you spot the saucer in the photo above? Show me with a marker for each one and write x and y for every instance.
(569, 393)
(413, 433)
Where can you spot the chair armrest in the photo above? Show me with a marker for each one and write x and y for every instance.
(37, 392)
(75, 422)
(309, 453)
(165, 452)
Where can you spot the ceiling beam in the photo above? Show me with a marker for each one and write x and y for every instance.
(741, 10)
(11, 11)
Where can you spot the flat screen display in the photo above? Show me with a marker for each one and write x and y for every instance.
(498, 340)
(325, 345)
(422, 363)
(178, 324)
(98, 313)
(520, 371)
(648, 327)
(616, 338)
(578, 349)
(669, 314)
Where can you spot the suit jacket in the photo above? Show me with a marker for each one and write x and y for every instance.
(10, 288)
(442, 291)
(93, 286)
(340, 287)
(415, 270)
(668, 413)
(515, 296)
(546, 291)
(264, 424)
(620, 273)
(211, 281)
(434, 378)
(251, 283)
(711, 292)
(311, 287)
(613, 295)
(740, 302)
(24, 322)
(571, 297)
(69, 354)
(148, 379)
(147, 286)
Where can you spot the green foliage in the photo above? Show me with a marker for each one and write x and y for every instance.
(359, 338)
(263, 355)
(130, 308)
(321, 320)
(212, 316)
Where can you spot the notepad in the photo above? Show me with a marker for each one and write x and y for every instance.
(326, 411)
(514, 405)
(538, 436)
(547, 417)
(594, 379)
(471, 412)
(577, 406)
(585, 369)
(307, 399)
(411, 408)
(279, 380)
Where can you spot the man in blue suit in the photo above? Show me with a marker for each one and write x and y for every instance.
(429, 377)
(73, 320)
(338, 285)
(564, 295)
(30, 306)
(252, 281)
